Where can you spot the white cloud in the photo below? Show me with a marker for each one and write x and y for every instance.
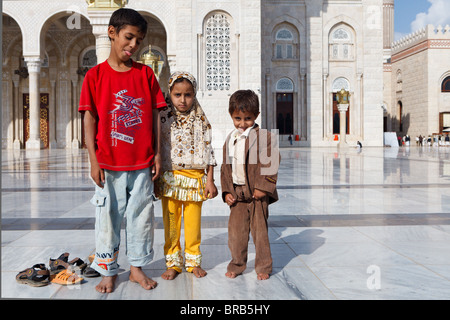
(438, 14)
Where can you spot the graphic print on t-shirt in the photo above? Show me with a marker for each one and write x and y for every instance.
(126, 117)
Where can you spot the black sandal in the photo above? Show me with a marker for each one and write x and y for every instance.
(36, 276)
(59, 264)
(90, 273)
(62, 263)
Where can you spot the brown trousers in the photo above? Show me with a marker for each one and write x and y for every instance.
(249, 215)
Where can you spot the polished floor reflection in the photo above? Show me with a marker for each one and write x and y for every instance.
(361, 224)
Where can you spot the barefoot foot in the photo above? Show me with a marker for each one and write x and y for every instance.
(263, 276)
(169, 274)
(199, 272)
(106, 285)
(231, 275)
(138, 276)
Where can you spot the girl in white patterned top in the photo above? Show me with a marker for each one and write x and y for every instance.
(188, 162)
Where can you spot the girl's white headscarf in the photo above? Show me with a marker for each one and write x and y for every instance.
(185, 136)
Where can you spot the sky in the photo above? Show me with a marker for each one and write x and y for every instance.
(412, 15)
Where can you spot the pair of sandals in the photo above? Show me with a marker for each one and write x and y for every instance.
(61, 272)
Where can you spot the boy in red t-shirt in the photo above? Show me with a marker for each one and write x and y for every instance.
(121, 100)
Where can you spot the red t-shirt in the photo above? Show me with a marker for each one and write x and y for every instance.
(123, 103)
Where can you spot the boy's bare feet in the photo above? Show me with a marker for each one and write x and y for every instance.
(106, 285)
(169, 274)
(138, 276)
(231, 275)
(199, 272)
(263, 276)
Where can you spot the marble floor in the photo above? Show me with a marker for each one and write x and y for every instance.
(358, 224)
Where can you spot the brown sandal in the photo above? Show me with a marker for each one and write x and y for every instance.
(62, 263)
(36, 276)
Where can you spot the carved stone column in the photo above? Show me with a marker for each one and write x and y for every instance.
(99, 22)
(76, 120)
(343, 125)
(17, 145)
(34, 69)
(52, 118)
(304, 120)
(100, 12)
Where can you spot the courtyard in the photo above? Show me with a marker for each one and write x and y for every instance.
(370, 223)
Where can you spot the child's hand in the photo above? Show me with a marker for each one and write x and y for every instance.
(258, 194)
(229, 199)
(98, 175)
(210, 190)
(156, 168)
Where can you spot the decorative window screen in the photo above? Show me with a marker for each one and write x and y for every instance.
(340, 83)
(284, 48)
(284, 34)
(341, 45)
(218, 56)
(341, 34)
(289, 54)
(279, 54)
(285, 85)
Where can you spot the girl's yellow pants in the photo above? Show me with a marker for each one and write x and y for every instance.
(172, 212)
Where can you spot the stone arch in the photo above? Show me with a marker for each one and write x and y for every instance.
(444, 82)
(339, 83)
(11, 38)
(62, 18)
(269, 29)
(55, 30)
(14, 75)
(342, 42)
(282, 45)
(350, 23)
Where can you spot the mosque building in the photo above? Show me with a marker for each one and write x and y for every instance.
(295, 54)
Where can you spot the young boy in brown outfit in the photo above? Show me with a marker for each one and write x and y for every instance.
(248, 179)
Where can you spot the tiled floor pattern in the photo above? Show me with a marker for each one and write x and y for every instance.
(357, 224)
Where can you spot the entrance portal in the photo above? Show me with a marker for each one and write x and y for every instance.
(285, 113)
(336, 121)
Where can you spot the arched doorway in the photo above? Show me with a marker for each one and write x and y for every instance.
(400, 115)
(444, 117)
(14, 83)
(62, 76)
(338, 85)
(285, 106)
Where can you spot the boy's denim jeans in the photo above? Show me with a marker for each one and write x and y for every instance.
(125, 194)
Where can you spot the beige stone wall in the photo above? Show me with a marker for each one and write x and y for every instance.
(438, 70)
(423, 61)
(252, 61)
(314, 21)
(411, 91)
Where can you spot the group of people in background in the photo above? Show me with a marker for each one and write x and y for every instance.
(430, 140)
